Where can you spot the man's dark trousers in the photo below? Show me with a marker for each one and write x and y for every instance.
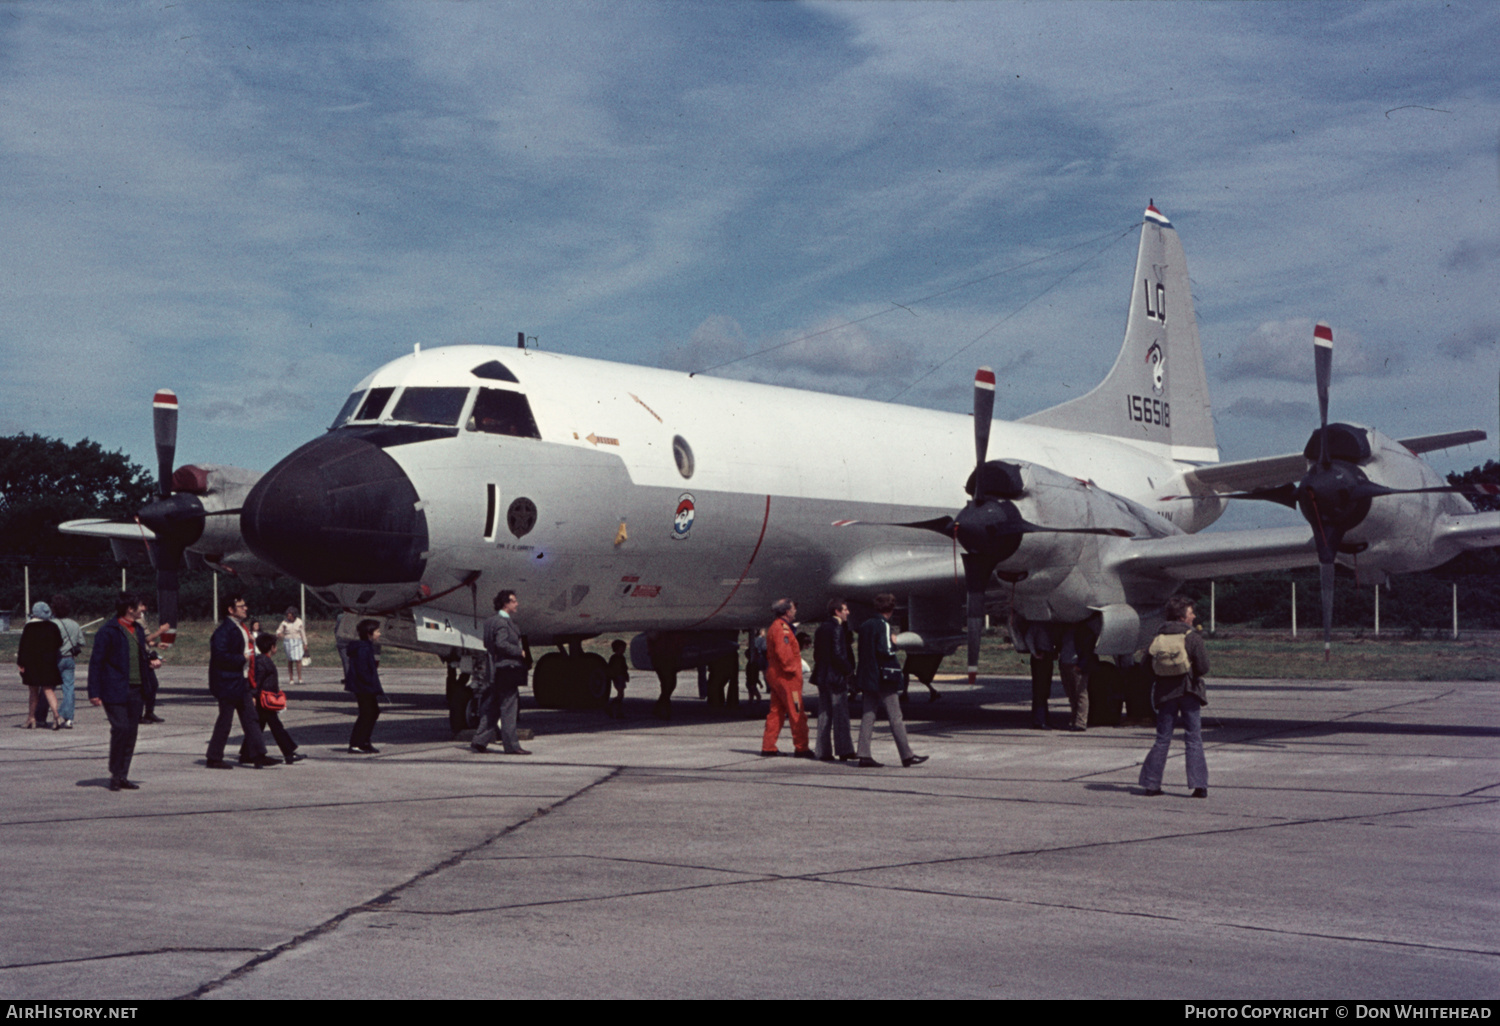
(499, 704)
(124, 724)
(242, 704)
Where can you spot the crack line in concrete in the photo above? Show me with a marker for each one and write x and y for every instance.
(1067, 848)
(582, 899)
(1311, 724)
(273, 808)
(870, 788)
(389, 894)
(125, 954)
(1130, 914)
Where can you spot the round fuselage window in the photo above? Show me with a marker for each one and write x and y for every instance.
(683, 454)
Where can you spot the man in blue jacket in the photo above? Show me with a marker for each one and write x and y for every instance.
(231, 651)
(121, 671)
(833, 668)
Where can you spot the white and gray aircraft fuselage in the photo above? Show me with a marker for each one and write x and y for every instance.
(622, 498)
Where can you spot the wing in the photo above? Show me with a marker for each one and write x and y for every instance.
(1186, 557)
(1446, 440)
(108, 529)
(1472, 531)
(1269, 471)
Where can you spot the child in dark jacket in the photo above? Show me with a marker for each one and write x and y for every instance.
(266, 682)
(619, 676)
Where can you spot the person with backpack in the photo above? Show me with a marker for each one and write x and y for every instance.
(1179, 660)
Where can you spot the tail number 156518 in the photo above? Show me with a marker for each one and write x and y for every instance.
(1146, 410)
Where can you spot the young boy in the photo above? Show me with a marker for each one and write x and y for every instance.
(266, 682)
(619, 676)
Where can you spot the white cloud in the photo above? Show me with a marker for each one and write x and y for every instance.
(1283, 351)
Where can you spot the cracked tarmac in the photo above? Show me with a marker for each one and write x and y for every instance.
(1347, 850)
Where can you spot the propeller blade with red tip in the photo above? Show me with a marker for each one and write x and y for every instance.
(1323, 372)
(164, 424)
(175, 520)
(984, 412)
(1327, 492)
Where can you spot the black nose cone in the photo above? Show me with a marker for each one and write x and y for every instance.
(339, 510)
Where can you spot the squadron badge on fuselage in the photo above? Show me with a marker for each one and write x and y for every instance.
(682, 523)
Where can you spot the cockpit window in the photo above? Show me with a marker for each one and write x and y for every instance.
(348, 411)
(373, 404)
(430, 405)
(494, 371)
(500, 412)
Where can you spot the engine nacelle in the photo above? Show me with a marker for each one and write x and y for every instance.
(1399, 533)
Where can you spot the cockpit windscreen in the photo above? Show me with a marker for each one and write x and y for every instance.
(350, 405)
(373, 404)
(499, 411)
(430, 405)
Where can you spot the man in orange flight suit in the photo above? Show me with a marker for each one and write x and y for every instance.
(784, 681)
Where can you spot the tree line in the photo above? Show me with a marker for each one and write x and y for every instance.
(44, 482)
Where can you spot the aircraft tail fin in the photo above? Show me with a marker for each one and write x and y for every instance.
(1157, 391)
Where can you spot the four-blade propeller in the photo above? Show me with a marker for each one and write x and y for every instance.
(176, 518)
(1334, 496)
(989, 529)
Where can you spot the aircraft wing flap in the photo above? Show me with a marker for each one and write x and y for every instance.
(1186, 557)
(108, 529)
(1445, 440)
(1471, 530)
(1241, 475)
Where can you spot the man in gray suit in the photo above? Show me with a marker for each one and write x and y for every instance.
(879, 677)
(500, 699)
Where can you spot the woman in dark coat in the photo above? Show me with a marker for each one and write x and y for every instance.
(364, 681)
(37, 657)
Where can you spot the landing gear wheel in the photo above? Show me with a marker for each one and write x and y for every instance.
(593, 682)
(570, 682)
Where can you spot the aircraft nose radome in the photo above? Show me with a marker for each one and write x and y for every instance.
(339, 510)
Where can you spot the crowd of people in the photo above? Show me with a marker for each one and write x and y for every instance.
(842, 660)
(848, 661)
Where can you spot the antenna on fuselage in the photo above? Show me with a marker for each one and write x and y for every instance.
(520, 340)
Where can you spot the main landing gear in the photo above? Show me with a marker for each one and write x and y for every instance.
(571, 679)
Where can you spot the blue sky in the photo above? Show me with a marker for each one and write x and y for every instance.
(256, 204)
